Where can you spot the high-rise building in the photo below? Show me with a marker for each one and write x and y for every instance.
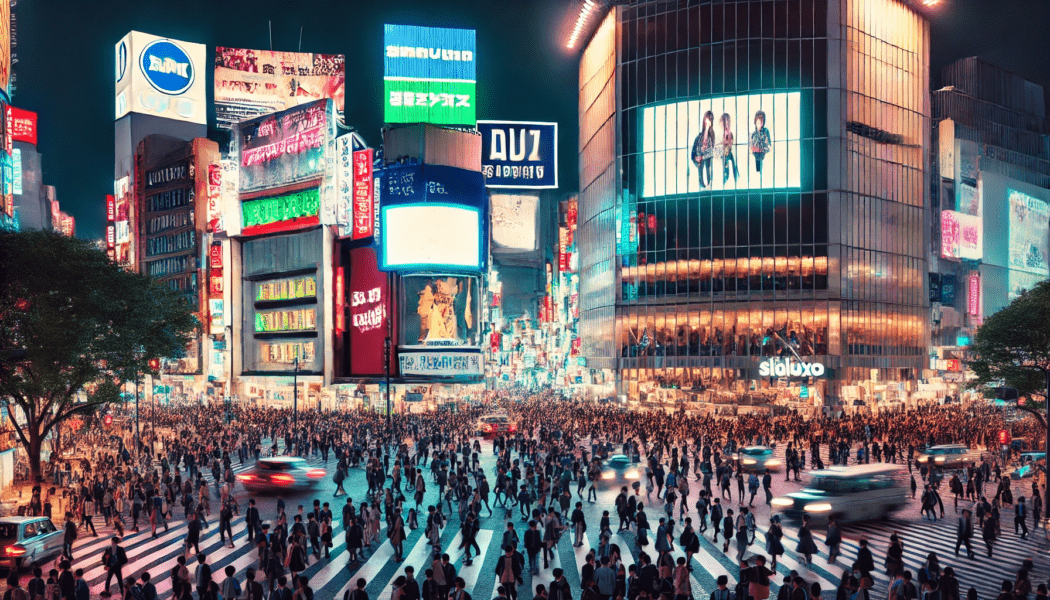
(752, 198)
(990, 204)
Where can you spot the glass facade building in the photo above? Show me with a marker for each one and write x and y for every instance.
(752, 187)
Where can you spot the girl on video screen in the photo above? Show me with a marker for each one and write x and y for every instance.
(704, 149)
(760, 142)
(727, 149)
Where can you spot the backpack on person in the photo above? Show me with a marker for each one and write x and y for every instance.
(19, 594)
(52, 591)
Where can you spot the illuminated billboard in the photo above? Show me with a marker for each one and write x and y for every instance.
(1029, 233)
(513, 222)
(425, 236)
(251, 83)
(22, 124)
(281, 213)
(367, 293)
(746, 142)
(429, 75)
(160, 77)
(439, 311)
(519, 154)
(962, 236)
(285, 147)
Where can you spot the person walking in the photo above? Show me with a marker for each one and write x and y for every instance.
(964, 532)
(833, 539)
(397, 536)
(1020, 517)
(114, 558)
(508, 571)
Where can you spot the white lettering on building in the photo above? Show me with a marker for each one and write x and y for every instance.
(787, 367)
(168, 65)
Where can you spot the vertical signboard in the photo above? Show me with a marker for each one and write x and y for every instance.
(429, 75)
(23, 125)
(363, 209)
(973, 295)
(368, 302)
(344, 178)
(519, 154)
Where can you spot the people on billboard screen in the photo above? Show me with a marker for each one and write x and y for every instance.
(681, 140)
(445, 311)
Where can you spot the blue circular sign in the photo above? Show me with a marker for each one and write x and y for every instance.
(167, 67)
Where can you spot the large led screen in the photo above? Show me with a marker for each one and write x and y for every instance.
(439, 310)
(748, 142)
(425, 236)
(513, 222)
(961, 236)
(1029, 233)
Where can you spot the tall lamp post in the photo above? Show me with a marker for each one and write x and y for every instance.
(386, 363)
(295, 394)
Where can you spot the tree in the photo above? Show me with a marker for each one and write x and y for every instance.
(1012, 349)
(83, 324)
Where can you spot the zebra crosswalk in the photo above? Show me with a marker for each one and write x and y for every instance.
(332, 577)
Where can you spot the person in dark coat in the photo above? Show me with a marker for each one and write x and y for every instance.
(508, 571)
(806, 546)
(833, 539)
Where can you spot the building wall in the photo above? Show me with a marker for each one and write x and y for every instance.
(704, 274)
(598, 194)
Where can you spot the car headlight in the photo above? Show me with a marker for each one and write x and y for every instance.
(922, 459)
(782, 502)
(632, 474)
(939, 459)
(817, 507)
(608, 475)
(749, 461)
(772, 463)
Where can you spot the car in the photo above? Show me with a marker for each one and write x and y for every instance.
(281, 473)
(1029, 464)
(948, 455)
(756, 459)
(619, 467)
(496, 423)
(26, 541)
(852, 493)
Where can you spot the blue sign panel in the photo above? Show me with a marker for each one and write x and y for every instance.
(167, 67)
(430, 53)
(517, 154)
(433, 183)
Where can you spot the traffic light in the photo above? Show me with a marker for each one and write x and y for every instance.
(154, 364)
(108, 420)
(1004, 437)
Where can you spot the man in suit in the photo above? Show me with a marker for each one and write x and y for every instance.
(115, 558)
(963, 533)
(251, 520)
(508, 570)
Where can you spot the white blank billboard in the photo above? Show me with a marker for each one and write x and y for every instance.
(425, 236)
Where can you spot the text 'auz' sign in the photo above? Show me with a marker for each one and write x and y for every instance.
(518, 154)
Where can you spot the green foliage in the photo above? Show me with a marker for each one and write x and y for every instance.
(1013, 346)
(84, 323)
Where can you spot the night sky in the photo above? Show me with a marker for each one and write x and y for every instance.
(65, 63)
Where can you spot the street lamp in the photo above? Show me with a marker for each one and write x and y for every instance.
(386, 363)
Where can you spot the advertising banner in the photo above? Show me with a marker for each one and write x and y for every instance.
(433, 183)
(513, 223)
(344, 178)
(429, 75)
(5, 47)
(363, 199)
(429, 235)
(217, 322)
(122, 217)
(442, 364)
(961, 236)
(1029, 233)
(284, 148)
(251, 83)
(23, 125)
(439, 311)
(368, 295)
(160, 77)
(519, 154)
(214, 199)
(973, 295)
(754, 139)
(948, 290)
(281, 213)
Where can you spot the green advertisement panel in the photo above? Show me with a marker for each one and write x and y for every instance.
(437, 102)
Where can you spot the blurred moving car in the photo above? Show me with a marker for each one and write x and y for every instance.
(757, 459)
(25, 541)
(281, 473)
(496, 423)
(948, 455)
(620, 468)
(1029, 464)
(852, 493)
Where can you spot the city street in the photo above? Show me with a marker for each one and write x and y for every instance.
(330, 577)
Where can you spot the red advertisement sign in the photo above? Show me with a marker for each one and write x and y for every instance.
(23, 125)
(549, 304)
(340, 300)
(215, 255)
(369, 301)
(973, 304)
(111, 236)
(363, 195)
(111, 209)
